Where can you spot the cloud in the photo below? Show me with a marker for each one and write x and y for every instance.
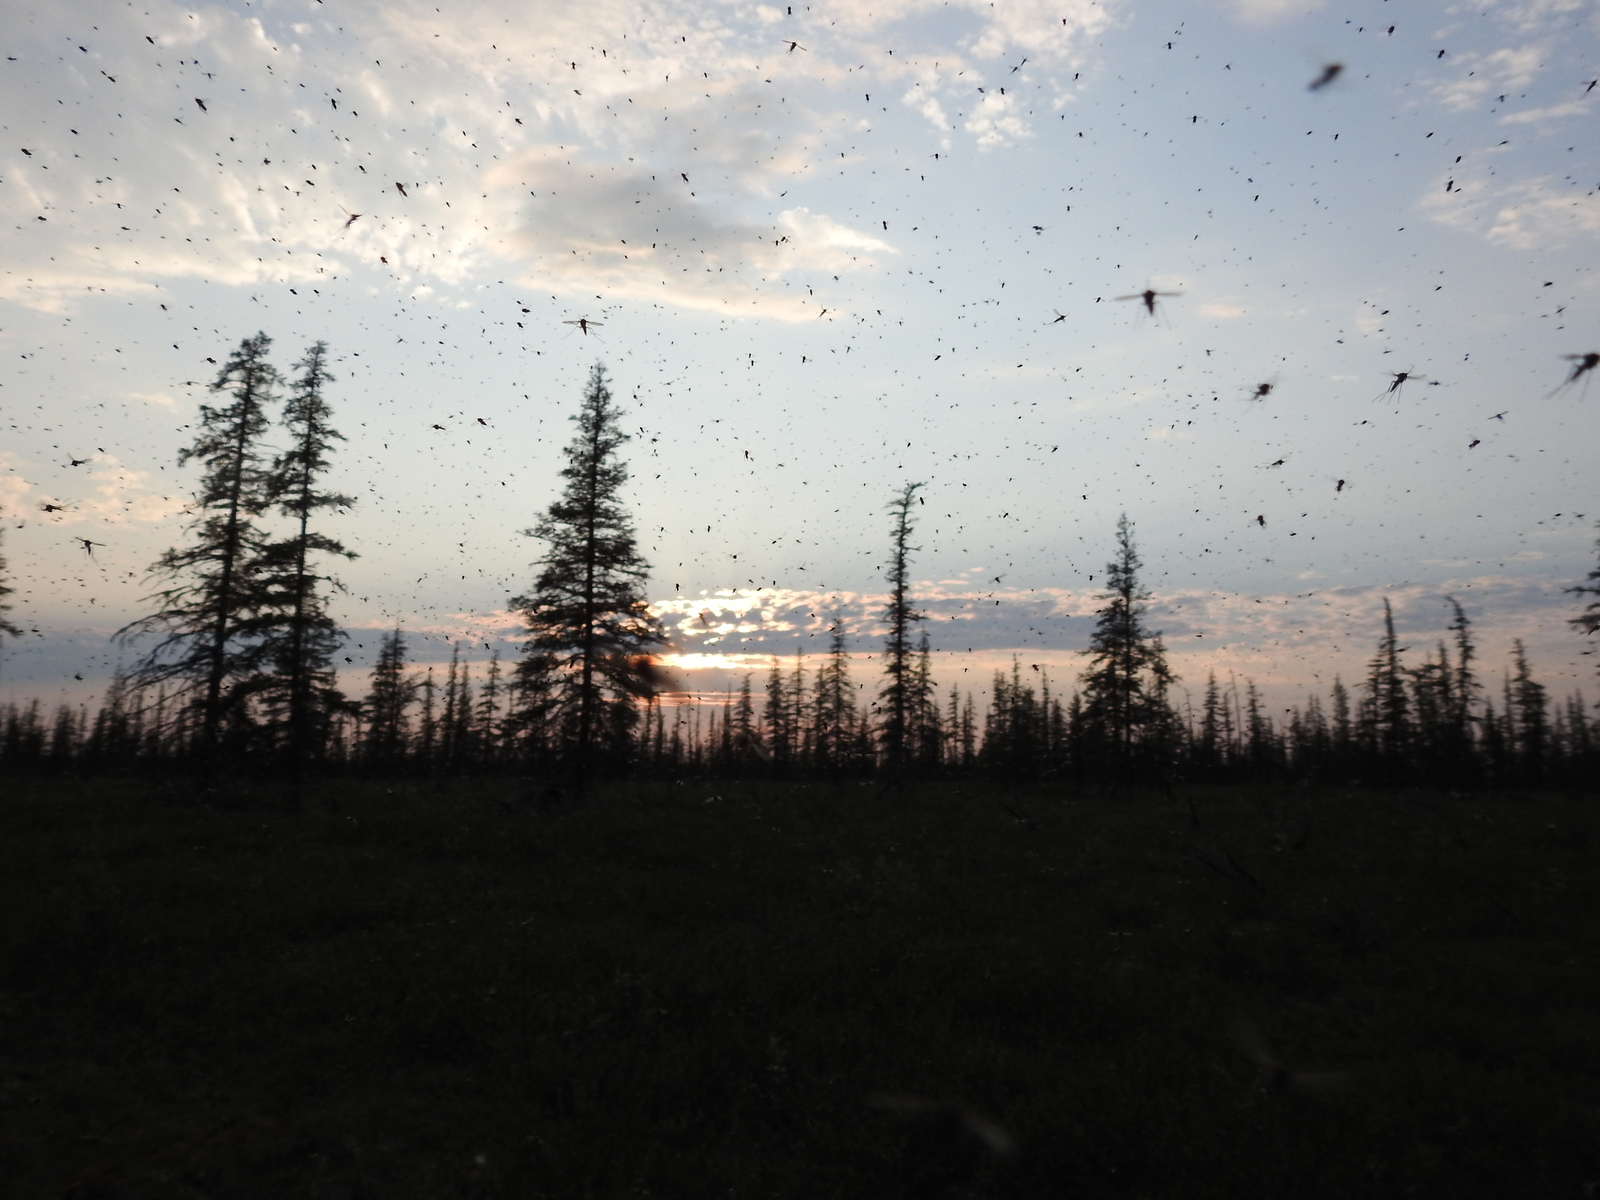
(1261, 12)
(644, 233)
(1285, 641)
(1555, 112)
(1544, 213)
(1477, 77)
(530, 138)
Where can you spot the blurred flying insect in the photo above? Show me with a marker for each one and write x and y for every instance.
(55, 508)
(88, 546)
(1273, 1075)
(1060, 317)
(585, 325)
(1330, 72)
(1398, 380)
(1341, 485)
(1148, 299)
(1583, 366)
(350, 218)
(952, 1119)
(793, 46)
(1262, 390)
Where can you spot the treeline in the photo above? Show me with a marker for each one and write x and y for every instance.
(1433, 723)
(241, 677)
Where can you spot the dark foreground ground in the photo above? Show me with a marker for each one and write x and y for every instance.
(699, 993)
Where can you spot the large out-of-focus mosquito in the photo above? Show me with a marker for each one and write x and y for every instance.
(1398, 380)
(1148, 299)
(1330, 72)
(1262, 390)
(1583, 366)
(585, 325)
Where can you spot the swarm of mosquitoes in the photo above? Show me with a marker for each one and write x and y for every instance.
(1579, 375)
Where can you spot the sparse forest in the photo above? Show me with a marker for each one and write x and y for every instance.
(240, 676)
(557, 928)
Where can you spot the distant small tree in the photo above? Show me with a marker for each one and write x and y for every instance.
(388, 697)
(6, 627)
(587, 616)
(833, 710)
(1528, 709)
(1125, 685)
(213, 591)
(905, 694)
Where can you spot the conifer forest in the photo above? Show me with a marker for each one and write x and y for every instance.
(972, 600)
(240, 666)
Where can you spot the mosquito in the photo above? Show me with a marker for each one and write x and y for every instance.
(793, 46)
(1274, 1075)
(1582, 368)
(584, 324)
(350, 218)
(1148, 298)
(1060, 317)
(1262, 390)
(1330, 72)
(1397, 381)
(88, 546)
(55, 508)
(953, 1119)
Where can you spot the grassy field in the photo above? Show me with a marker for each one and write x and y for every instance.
(707, 990)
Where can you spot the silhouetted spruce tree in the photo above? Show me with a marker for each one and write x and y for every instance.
(777, 716)
(927, 744)
(298, 636)
(214, 592)
(1528, 712)
(1387, 707)
(904, 695)
(388, 697)
(1207, 748)
(833, 707)
(6, 627)
(1125, 686)
(1588, 621)
(587, 614)
(489, 733)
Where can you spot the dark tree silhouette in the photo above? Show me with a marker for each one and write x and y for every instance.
(833, 705)
(1388, 707)
(5, 605)
(298, 637)
(202, 615)
(1125, 685)
(1588, 621)
(390, 695)
(905, 693)
(587, 615)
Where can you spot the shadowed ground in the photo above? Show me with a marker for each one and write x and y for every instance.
(750, 990)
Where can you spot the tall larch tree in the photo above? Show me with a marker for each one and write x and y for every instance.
(299, 637)
(904, 694)
(214, 590)
(587, 618)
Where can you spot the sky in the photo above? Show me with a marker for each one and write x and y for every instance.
(832, 249)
